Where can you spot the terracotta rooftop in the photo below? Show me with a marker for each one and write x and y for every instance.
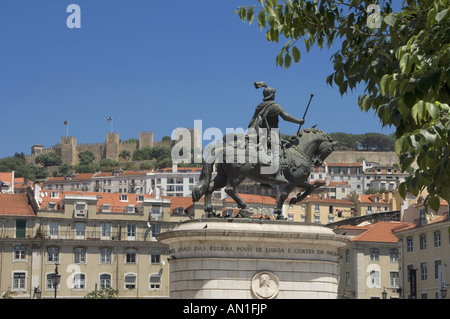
(15, 204)
(381, 232)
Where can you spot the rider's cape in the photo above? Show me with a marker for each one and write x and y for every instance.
(264, 113)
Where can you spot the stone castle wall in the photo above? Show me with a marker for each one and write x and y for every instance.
(69, 148)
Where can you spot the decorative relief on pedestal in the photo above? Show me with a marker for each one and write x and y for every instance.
(265, 285)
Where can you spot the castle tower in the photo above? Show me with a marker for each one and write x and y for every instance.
(112, 146)
(37, 149)
(69, 154)
(145, 139)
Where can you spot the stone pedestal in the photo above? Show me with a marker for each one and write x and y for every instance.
(245, 259)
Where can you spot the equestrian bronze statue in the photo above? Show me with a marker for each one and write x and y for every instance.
(267, 159)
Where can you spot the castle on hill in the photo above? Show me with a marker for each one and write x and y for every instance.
(69, 148)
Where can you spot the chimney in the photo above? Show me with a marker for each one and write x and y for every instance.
(174, 167)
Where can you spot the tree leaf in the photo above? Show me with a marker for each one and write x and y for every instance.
(433, 110)
(261, 19)
(384, 85)
(296, 54)
(250, 14)
(441, 15)
(287, 60)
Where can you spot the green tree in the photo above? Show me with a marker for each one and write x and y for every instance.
(48, 159)
(126, 155)
(402, 63)
(86, 157)
(103, 293)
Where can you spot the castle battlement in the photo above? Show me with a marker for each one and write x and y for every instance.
(110, 149)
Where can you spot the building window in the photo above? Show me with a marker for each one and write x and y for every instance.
(437, 263)
(124, 198)
(156, 229)
(317, 208)
(19, 281)
(375, 279)
(330, 219)
(131, 231)
(53, 230)
(105, 256)
(393, 255)
(105, 281)
(53, 255)
(393, 279)
(130, 281)
(423, 241)
(80, 210)
(20, 253)
(409, 244)
(347, 255)
(437, 238)
(130, 256)
(155, 258)
(80, 229)
(21, 228)
(106, 208)
(80, 256)
(316, 219)
(129, 209)
(155, 282)
(347, 278)
(79, 281)
(374, 254)
(423, 271)
(106, 231)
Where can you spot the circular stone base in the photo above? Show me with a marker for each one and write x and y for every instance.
(250, 258)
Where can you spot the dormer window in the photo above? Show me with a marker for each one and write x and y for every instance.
(54, 194)
(51, 206)
(129, 209)
(80, 210)
(106, 208)
(140, 198)
(124, 198)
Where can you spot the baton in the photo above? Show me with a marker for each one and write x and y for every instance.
(306, 111)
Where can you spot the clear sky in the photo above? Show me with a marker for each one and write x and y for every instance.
(151, 66)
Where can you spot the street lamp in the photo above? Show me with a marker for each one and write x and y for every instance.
(56, 279)
(384, 294)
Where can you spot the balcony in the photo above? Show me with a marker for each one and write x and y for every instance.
(89, 235)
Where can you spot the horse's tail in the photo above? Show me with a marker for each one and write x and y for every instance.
(205, 179)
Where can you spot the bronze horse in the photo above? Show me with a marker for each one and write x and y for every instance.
(307, 148)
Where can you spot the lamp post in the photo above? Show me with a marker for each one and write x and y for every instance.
(384, 294)
(56, 279)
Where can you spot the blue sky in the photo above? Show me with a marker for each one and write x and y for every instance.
(152, 66)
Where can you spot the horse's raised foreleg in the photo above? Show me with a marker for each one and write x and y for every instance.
(283, 196)
(300, 196)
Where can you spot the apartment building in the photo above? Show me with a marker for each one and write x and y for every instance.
(170, 181)
(425, 253)
(370, 262)
(95, 240)
(319, 209)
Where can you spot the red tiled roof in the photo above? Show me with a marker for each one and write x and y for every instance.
(381, 232)
(371, 199)
(15, 204)
(178, 201)
(7, 177)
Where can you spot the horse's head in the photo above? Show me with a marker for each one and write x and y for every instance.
(316, 144)
(325, 148)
